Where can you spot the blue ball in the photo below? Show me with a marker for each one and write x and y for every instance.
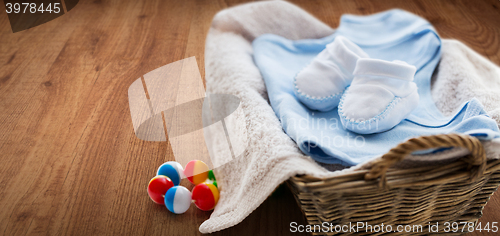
(178, 199)
(173, 170)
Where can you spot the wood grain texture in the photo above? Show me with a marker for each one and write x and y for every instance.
(70, 163)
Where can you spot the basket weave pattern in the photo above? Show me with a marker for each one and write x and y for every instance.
(454, 192)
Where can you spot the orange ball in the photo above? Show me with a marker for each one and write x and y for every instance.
(196, 171)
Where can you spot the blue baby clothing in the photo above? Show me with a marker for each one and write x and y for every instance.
(391, 35)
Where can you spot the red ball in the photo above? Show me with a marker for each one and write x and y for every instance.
(205, 196)
(158, 187)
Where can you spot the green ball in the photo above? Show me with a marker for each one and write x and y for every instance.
(211, 175)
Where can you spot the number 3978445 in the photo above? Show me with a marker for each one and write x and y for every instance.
(32, 7)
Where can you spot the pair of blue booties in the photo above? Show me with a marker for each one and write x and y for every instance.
(372, 95)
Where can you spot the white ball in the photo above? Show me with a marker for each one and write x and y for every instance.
(173, 170)
(178, 199)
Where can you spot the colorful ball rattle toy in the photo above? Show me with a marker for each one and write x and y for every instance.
(164, 188)
(196, 171)
(173, 170)
(205, 196)
(178, 199)
(157, 188)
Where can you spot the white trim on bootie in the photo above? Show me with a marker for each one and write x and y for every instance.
(320, 85)
(381, 95)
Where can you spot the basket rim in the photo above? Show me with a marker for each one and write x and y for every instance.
(382, 172)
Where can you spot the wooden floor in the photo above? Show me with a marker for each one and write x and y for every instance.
(70, 163)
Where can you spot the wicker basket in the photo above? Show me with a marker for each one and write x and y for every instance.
(453, 192)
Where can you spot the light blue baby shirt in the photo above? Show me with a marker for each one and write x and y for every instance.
(390, 35)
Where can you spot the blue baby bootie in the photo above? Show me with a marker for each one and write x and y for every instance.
(321, 84)
(381, 95)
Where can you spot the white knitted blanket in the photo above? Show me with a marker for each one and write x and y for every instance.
(271, 156)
